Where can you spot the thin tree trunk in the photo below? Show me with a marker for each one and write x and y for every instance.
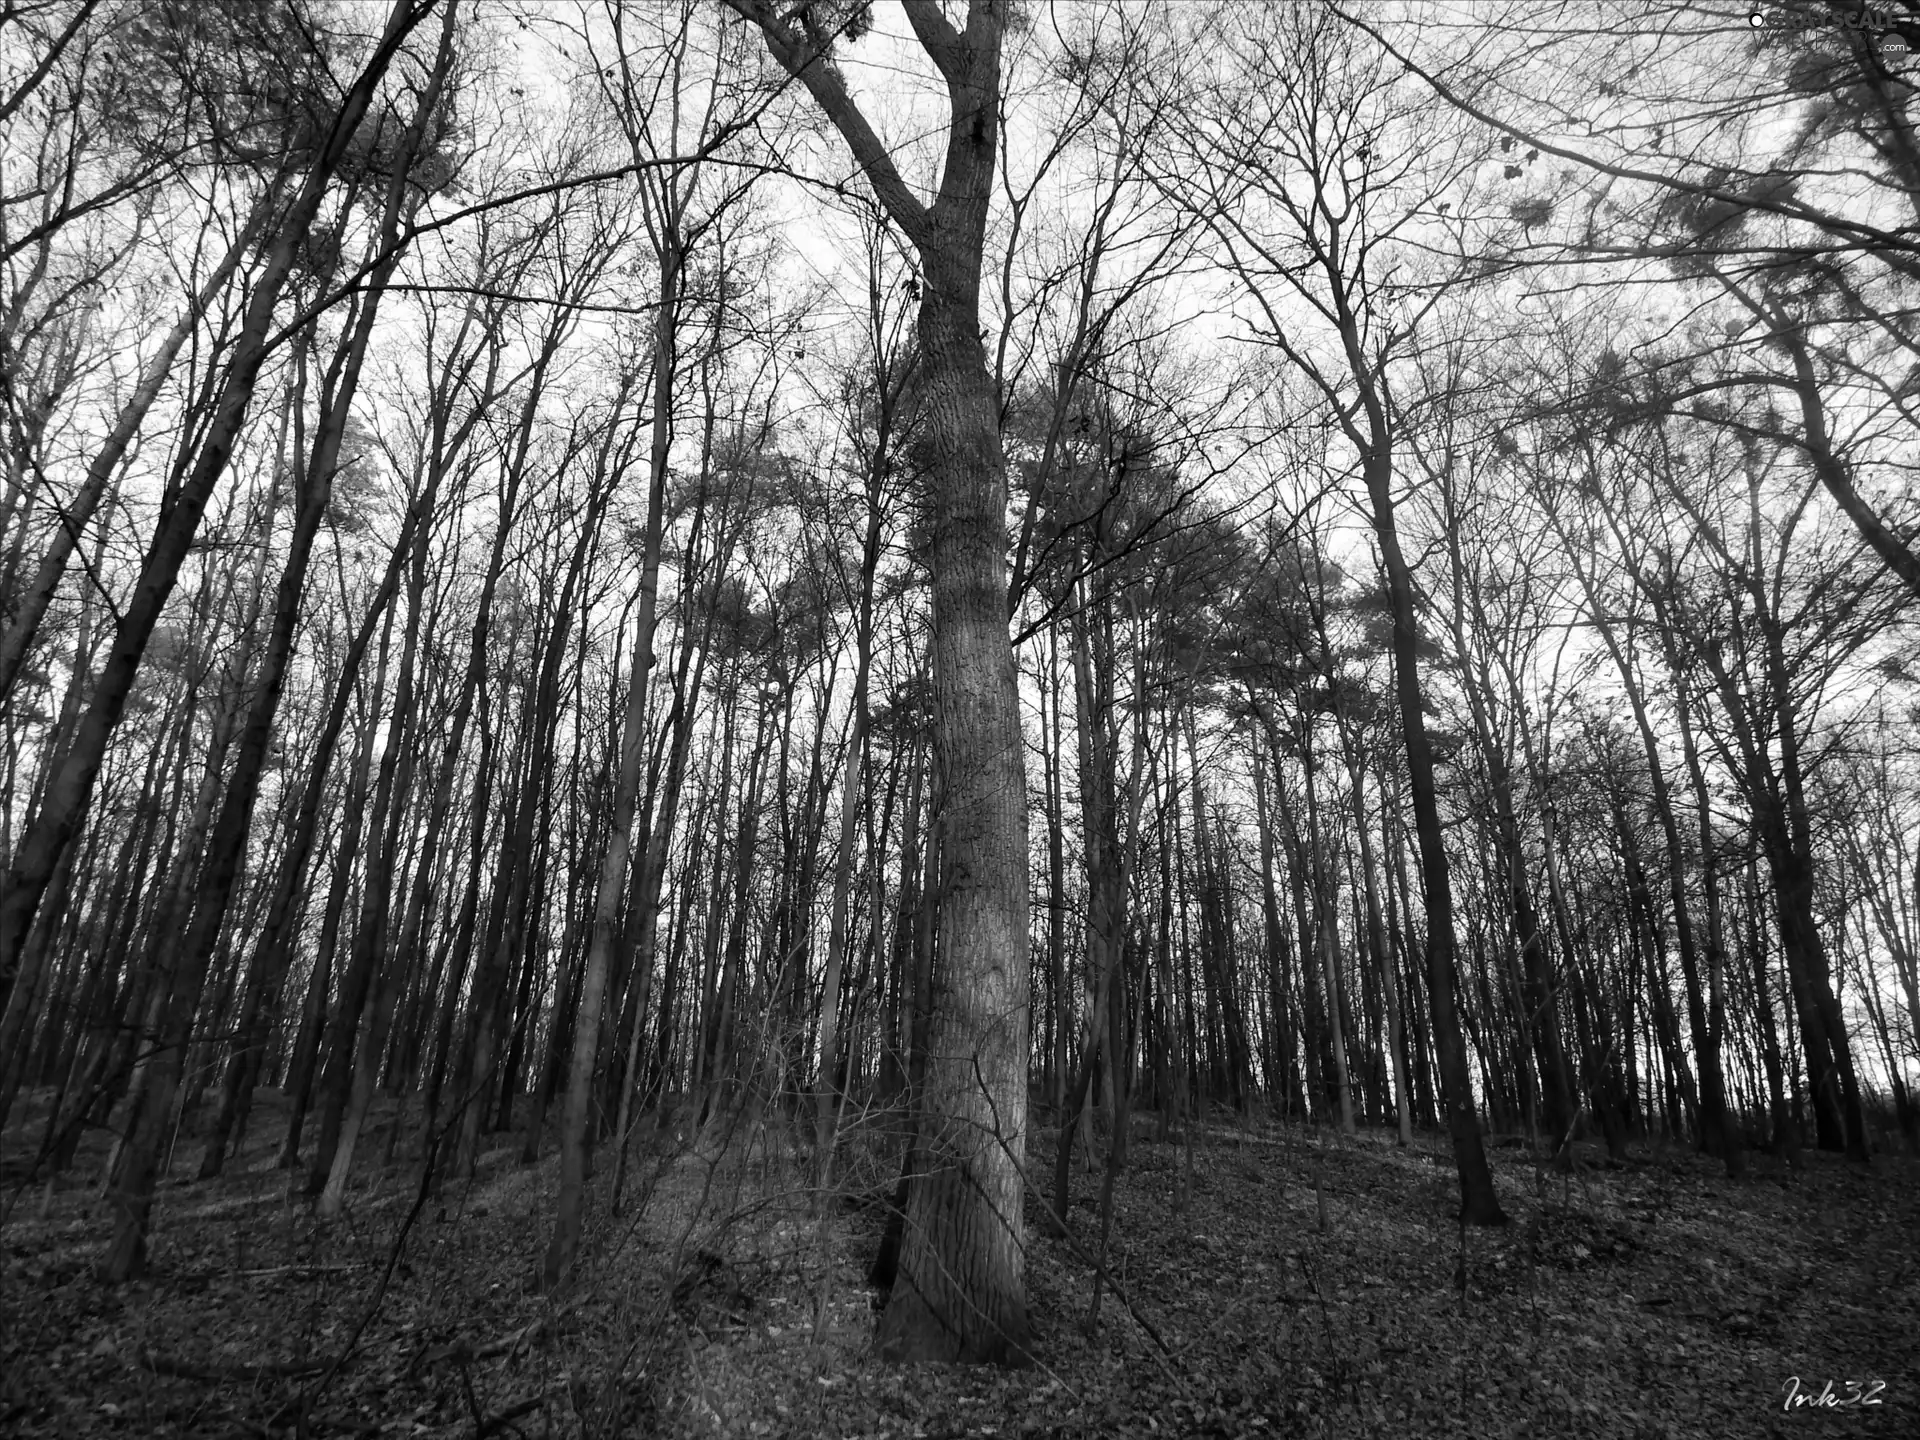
(71, 788)
(30, 607)
(569, 1210)
(1479, 1204)
(826, 1111)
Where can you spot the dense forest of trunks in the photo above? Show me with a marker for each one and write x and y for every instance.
(514, 517)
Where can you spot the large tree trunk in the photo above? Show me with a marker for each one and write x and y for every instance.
(961, 1290)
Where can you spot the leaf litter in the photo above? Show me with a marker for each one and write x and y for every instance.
(1656, 1300)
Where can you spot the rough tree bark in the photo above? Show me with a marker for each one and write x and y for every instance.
(960, 1292)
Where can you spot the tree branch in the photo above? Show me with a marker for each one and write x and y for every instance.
(810, 64)
(1871, 237)
(938, 38)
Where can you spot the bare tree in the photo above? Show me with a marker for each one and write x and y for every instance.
(960, 1294)
(71, 787)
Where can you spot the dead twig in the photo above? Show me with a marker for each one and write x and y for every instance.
(302, 1407)
(506, 1344)
(302, 1272)
(314, 1422)
(503, 1419)
(1060, 1223)
(189, 1370)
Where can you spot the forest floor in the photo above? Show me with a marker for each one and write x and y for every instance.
(1309, 1287)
